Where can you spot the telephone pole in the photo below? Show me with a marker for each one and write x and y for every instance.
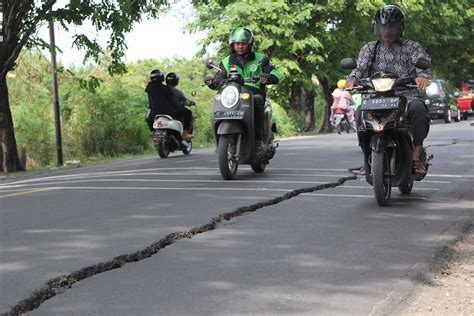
(57, 113)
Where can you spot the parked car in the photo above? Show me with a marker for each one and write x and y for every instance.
(466, 99)
(442, 102)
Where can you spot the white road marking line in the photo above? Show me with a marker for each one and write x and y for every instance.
(163, 180)
(369, 187)
(450, 175)
(99, 173)
(207, 181)
(214, 174)
(24, 193)
(434, 181)
(166, 189)
(361, 196)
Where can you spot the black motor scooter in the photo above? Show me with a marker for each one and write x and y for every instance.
(233, 126)
(384, 132)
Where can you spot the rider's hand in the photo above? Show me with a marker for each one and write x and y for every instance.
(350, 84)
(263, 78)
(422, 82)
(208, 81)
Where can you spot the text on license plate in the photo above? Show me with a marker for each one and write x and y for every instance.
(380, 103)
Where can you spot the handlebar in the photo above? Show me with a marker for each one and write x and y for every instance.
(368, 89)
(253, 79)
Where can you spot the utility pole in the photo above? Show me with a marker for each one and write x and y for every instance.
(1, 24)
(57, 114)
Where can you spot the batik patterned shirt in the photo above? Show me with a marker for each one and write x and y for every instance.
(397, 58)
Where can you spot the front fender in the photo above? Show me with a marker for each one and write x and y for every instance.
(378, 143)
(230, 127)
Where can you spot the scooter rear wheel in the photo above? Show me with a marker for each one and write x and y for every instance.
(228, 162)
(163, 149)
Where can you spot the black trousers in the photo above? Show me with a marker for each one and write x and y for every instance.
(187, 115)
(418, 118)
(259, 114)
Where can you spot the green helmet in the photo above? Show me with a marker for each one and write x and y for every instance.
(241, 34)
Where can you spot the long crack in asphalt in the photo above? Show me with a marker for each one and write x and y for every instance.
(61, 283)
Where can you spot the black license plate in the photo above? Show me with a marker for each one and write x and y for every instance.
(233, 114)
(380, 104)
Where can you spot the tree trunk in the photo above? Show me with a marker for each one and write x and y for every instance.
(11, 160)
(309, 96)
(295, 98)
(302, 100)
(326, 126)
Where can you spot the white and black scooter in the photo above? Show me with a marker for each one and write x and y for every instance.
(167, 135)
(233, 125)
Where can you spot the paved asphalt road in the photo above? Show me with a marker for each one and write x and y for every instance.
(330, 251)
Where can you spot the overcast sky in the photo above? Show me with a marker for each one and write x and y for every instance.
(165, 37)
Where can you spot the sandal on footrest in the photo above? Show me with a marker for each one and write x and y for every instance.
(418, 168)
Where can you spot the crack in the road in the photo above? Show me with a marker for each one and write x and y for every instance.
(59, 284)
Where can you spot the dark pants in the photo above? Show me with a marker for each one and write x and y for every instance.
(259, 115)
(418, 118)
(187, 115)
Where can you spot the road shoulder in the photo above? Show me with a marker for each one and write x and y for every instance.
(452, 290)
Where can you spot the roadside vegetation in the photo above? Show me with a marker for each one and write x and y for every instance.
(103, 103)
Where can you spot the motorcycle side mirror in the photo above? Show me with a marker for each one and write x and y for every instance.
(348, 63)
(422, 63)
(265, 61)
(193, 93)
(209, 63)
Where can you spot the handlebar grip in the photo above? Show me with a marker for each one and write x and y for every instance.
(356, 88)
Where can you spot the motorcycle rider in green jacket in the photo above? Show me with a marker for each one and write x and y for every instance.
(249, 64)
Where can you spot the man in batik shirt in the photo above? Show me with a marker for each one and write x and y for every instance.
(392, 53)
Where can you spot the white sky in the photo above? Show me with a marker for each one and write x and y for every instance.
(164, 37)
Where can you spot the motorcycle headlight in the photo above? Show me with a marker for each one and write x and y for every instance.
(392, 116)
(368, 116)
(383, 84)
(229, 97)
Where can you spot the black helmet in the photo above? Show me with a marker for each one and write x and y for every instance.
(157, 75)
(172, 79)
(241, 34)
(389, 20)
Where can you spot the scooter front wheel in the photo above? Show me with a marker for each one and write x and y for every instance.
(186, 147)
(228, 161)
(258, 167)
(381, 179)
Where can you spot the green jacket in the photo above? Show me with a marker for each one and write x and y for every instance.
(247, 66)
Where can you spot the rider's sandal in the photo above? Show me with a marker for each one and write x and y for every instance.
(418, 168)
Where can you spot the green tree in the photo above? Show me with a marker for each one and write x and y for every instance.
(20, 25)
(307, 39)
